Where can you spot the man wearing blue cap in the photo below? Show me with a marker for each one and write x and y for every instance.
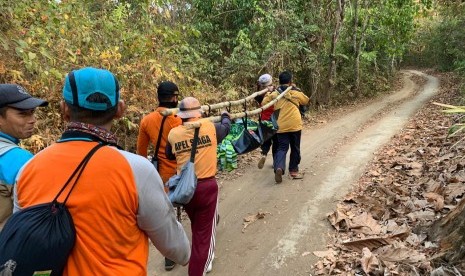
(118, 201)
(17, 121)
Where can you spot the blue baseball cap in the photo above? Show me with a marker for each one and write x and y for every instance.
(82, 83)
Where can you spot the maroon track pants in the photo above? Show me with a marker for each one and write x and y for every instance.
(202, 212)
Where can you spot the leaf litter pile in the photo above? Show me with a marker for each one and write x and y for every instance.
(382, 225)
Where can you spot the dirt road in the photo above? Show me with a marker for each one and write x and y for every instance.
(334, 155)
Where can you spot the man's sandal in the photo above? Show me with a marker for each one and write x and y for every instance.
(296, 175)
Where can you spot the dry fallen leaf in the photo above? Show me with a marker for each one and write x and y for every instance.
(325, 254)
(405, 255)
(252, 218)
(339, 218)
(421, 216)
(453, 191)
(364, 223)
(436, 199)
(369, 261)
(412, 182)
(370, 243)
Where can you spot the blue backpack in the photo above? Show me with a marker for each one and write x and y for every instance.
(38, 240)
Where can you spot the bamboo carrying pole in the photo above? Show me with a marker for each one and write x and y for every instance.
(208, 108)
(215, 119)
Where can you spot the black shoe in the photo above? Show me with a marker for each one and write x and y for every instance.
(169, 264)
(278, 175)
(261, 162)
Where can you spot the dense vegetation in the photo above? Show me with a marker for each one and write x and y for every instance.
(440, 39)
(339, 50)
(439, 43)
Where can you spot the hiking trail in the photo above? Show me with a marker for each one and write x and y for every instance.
(294, 224)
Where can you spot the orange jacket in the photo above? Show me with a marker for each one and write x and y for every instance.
(116, 204)
(148, 132)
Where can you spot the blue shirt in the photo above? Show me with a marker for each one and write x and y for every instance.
(12, 159)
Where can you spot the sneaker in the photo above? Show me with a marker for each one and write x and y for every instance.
(169, 264)
(210, 265)
(278, 175)
(261, 162)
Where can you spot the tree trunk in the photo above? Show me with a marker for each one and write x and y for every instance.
(356, 50)
(358, 43)
(339, 18)
(393, 65)
(449, 233)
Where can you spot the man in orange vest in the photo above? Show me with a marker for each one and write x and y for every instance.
(118, 203)
(203, 207)
(154, 128)
(155, 125)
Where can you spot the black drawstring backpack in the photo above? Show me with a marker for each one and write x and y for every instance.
(38, 240)
(265, 132)
(248, 141)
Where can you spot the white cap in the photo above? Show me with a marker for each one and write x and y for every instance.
(265, 80)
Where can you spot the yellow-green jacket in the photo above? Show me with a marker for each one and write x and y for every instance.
(289, 119)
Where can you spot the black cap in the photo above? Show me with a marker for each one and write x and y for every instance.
(16, 96)
(167, 88)
(285, 77)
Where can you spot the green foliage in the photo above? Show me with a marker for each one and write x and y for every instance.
(439, 43)
(458, 128)
(213, 49)
(43, 40)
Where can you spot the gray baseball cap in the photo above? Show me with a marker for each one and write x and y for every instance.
(16, 96)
